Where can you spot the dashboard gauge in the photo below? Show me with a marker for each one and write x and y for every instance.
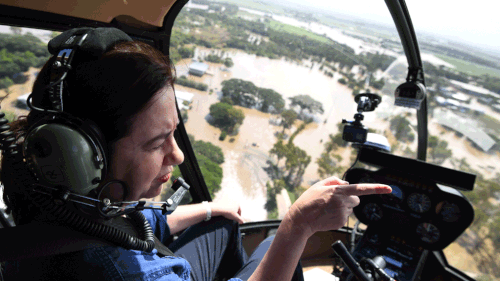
(419, 202)
(373, 212)
(450, 212)
(428, 232)
(396, 192)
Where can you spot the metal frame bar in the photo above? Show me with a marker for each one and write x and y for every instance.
(402, 20)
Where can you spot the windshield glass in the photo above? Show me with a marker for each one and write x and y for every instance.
(266, 86)
(263, 89)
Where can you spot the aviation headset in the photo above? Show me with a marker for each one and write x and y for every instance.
(61, 149)
(67, 155)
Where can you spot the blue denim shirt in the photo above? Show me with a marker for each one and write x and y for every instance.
(107, 263)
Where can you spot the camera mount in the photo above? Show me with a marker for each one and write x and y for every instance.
(354, 131)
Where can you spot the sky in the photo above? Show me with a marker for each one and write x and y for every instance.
(475, 22)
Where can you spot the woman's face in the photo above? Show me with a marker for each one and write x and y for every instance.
(145, 158)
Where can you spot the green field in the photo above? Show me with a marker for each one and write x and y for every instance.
(297, 31)
(249, 4)
(470, 68)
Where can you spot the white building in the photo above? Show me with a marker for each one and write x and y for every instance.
(184, 99)
(198, 68)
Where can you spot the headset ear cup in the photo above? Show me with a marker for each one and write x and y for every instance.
(64, 150)
(95, 133)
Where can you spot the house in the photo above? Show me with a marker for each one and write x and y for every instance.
(198, 68)
(467, 127)
(184, 99)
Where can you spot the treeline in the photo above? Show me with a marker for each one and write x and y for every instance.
(17, 54)
(458, 54)
(183, 81)
(486, 81)
(280, 43)
(228, 62)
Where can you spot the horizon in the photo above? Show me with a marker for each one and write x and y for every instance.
(479, 30)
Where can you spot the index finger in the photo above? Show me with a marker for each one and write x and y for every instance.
(365, 189)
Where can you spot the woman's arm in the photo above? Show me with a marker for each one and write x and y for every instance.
(187, 215)
(324, 206)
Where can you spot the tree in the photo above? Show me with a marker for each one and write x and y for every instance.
(438, 150)
(273, 189)
(212, 173)
(241, 92)
(288, 118)
(16, 30)
(400, 127)
(186, 52)
(228, 62)
(226, 116)
(279, 149)
(212, 152)
(296, 163)
(268, 98)
(328, 164)
(306, 102)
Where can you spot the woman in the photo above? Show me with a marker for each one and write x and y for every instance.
(128, 92)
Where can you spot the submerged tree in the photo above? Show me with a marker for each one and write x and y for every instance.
(241, 92)
(296, 161)
(288, 117)
(226, 117)
(268, 98)
(400, 127)
(306, 102)
(438, 150)
(328, 162)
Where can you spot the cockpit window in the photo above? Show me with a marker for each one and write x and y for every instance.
(266, 88)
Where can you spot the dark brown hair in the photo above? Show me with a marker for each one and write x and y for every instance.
(109, 91)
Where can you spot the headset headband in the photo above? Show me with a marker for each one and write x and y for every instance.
(75, 45)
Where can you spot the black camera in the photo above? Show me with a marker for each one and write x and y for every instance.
(354, 131)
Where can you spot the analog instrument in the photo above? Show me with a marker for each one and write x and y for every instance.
(450, 212)
(419, 202)
(428, 232)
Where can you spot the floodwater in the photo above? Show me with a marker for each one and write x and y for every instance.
(247, 154)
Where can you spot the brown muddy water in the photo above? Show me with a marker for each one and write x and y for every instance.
(247, 154)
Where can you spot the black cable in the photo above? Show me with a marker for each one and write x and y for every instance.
(355, 161)
(114, 235)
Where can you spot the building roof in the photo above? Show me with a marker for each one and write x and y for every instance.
(184, 96)
(199, 66)
(460, 96)
(473, 88)
(467, 127)
(181, 96)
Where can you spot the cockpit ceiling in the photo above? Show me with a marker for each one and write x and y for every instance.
(145, 12)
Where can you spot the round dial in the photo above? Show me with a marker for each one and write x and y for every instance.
(419, 202)
(450, 212)
(373, 212)
(428, 232)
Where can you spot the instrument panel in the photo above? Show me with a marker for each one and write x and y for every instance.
(420, 211)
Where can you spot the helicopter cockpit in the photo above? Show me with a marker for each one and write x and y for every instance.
(272, 97)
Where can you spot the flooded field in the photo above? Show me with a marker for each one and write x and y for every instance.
(248, 151)
(245, 179)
